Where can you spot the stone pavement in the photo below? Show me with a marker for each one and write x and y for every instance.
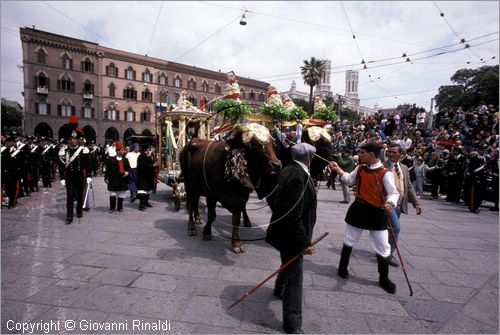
(114, 270)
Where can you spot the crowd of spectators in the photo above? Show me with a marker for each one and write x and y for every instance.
(441, 150)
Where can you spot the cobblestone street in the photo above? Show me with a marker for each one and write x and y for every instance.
(120, 267)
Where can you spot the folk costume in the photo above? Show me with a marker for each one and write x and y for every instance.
(116, 176)
(132, 157)
(374, 187)
(290, 231)
(145, 178)
(74, 174)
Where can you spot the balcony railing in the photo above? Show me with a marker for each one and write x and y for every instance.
(88, 95)
(42, 90)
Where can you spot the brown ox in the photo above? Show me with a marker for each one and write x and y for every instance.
(203, 165)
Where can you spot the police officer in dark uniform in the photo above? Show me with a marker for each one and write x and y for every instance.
(34, 162)
(74, 174)
(15, 161)
(455, 167)
(46, 158)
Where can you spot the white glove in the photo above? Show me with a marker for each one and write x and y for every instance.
(89, 180)
(63, 182)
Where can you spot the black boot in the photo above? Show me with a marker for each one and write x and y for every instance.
(146, 202)
(120, 204)
(112, 204)
(133, 196)
(142, 201)
(344, 261)
(383, 270)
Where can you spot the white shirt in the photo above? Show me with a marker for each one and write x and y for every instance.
(132, 159)
(389, 185)
(306, 169)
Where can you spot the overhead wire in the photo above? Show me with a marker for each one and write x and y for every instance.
(207, 38)
(74, 21)
(154, 29)
(462, 40)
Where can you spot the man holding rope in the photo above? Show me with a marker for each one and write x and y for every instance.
(291, 229)
(376, 195)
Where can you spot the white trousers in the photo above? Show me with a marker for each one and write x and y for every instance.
(119, 194)
(379, 239)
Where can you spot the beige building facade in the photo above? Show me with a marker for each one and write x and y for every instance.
(114, 94)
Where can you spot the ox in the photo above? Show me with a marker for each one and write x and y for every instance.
(246, 156)
(314, 135)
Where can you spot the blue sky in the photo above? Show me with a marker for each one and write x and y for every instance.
(278, 37)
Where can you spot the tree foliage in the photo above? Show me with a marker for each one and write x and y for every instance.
(472, 86)
(312, 71)
(11, 117)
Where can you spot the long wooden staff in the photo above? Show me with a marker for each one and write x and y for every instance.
(284, 266)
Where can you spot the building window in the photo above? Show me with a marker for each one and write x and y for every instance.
(242, 93)
(147, 77)
(112, 70)
(130, 115)
(178, 82)
(191, 84)
(87, 66)
(87, 111)
(112, 89)
(204, 86)
(192, 99)
(129, 93)
(130, 73)
(145, 116)
(262, 97)
(147, 95)
(67, 62)
(88, 88)
(42, 56)
(66, 109)
(252, 95)
(217, 89)
(163, 79)
(41, 81)
(65, 84)
(112, 114)
(42, 107)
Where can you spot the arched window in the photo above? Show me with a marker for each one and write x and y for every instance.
(218, 89)
(112, 90)
(242, 93)
(204, 86)
(191, 84)
(192, 99)
(67, 62)
(66, 84)
(147, 95)
(130, 114)
(252, 95)
(147, 77)
(130, 93)
(146, 115)
(178, 81)
(130, 73)
(65, 108)
(112, 70)
(41, 80)
(87, 66)
(41, 56)
(163, 79)
(87, 110)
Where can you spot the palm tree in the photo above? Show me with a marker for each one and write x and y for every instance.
(312, 71)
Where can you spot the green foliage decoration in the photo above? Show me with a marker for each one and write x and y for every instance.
(276, 112)
(232, 110)
(327, 114)
(298, 113)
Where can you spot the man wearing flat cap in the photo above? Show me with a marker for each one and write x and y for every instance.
(290, 231)
(74, 173)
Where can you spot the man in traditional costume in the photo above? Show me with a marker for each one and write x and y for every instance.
(376, 195)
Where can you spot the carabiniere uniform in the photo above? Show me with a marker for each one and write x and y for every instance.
(74, 169)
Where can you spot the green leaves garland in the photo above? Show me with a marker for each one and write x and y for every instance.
(298, 113)
(327, 114)
(232, 110)
(276, 112)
